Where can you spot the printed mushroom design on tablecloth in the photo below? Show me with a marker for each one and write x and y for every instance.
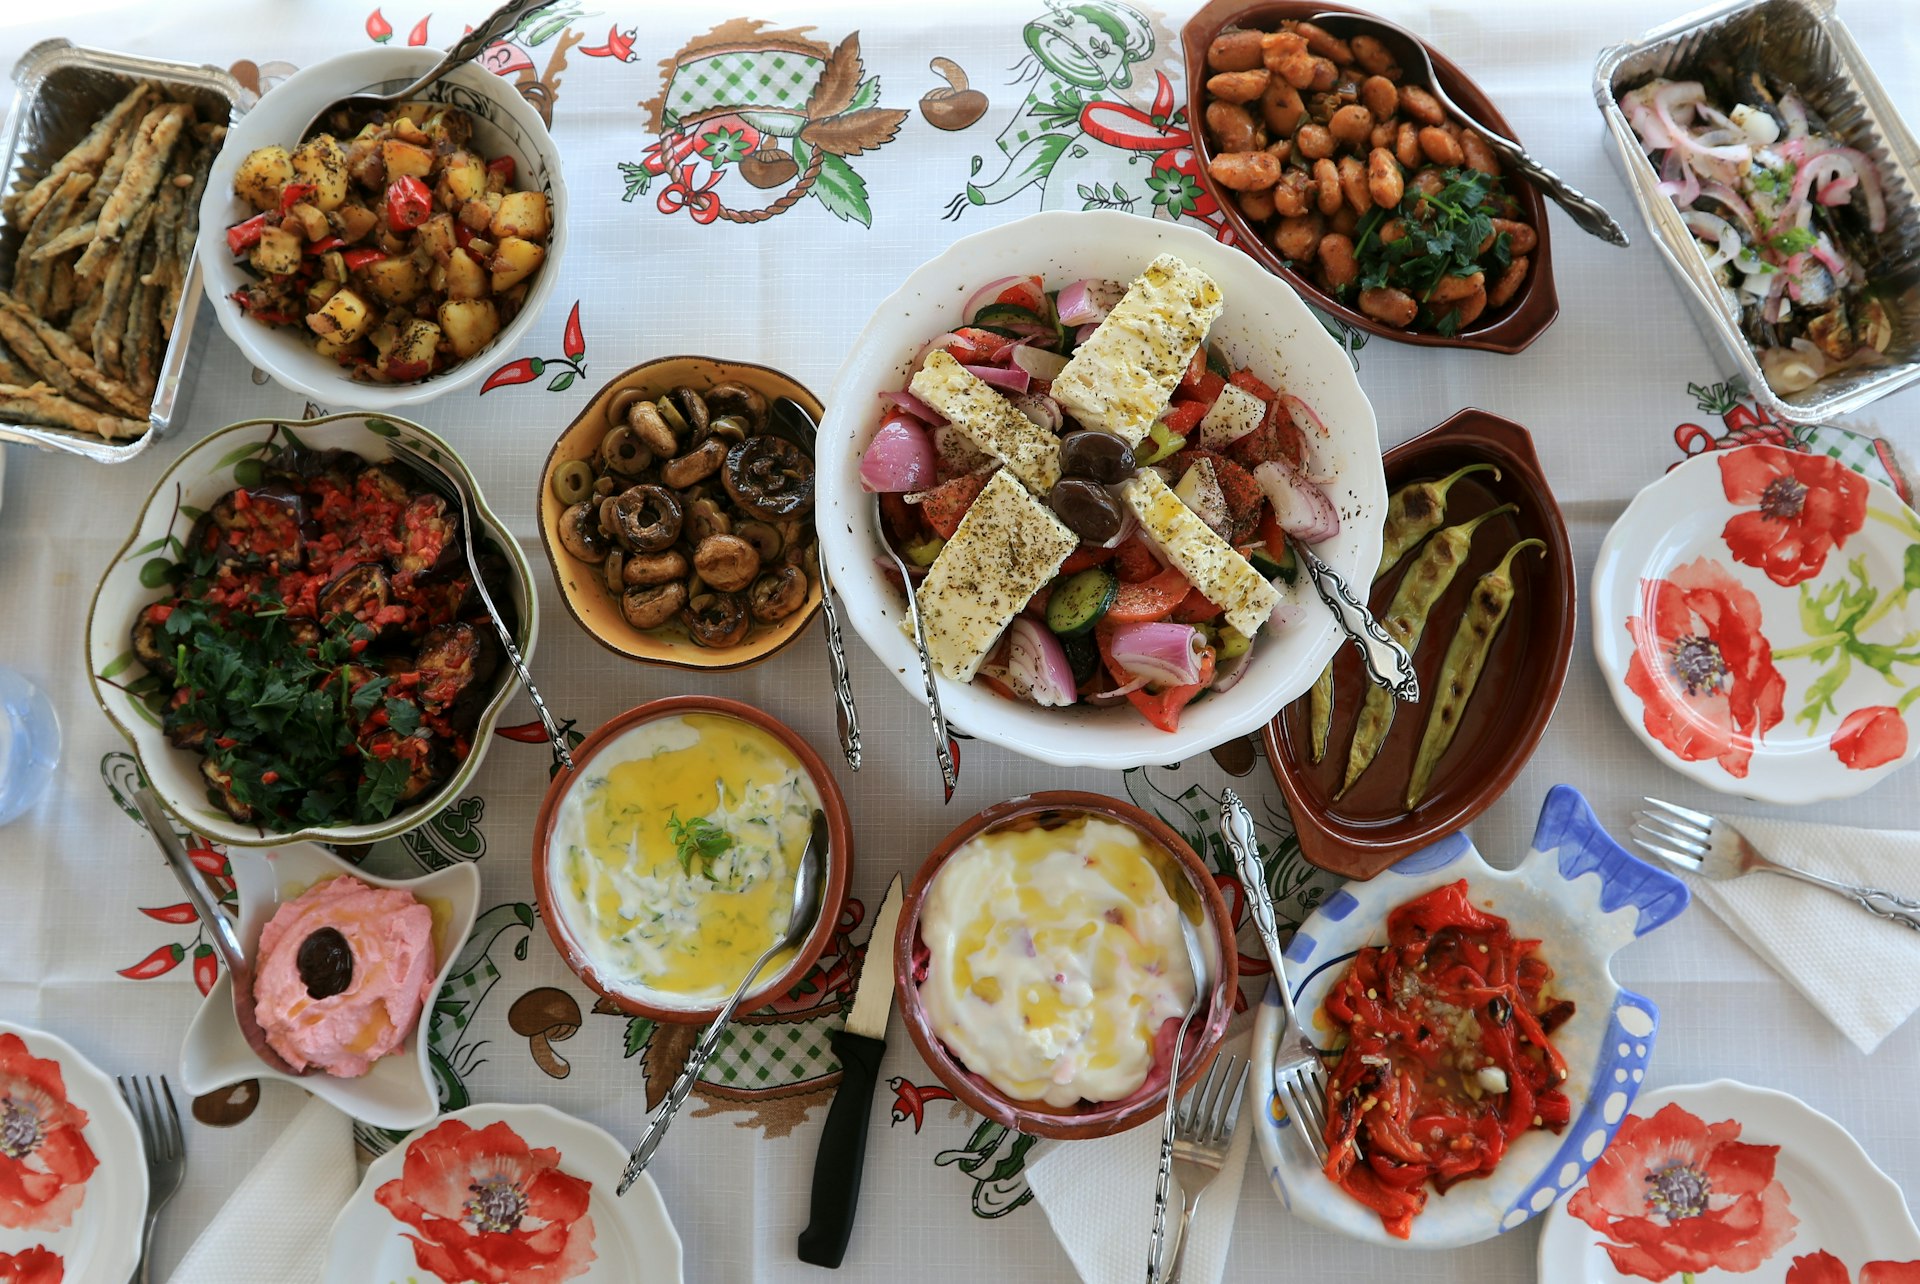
(544, 1017)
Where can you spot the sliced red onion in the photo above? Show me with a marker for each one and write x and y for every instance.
(1044, 411)
(1084, 333)
(891, 573)
(1318, 466)
(1839, 163)
(904, 400)
(1038, 362)
(938, 343)
(1794, 112)
(1677, 178)
(1838, 192)
(1228, 675)
(1688, 94)
(899, 458)
(1740, 210)
(1088, 302)
(1158, 650)
(990, 293)
(1037, 667)
(1776, 291)
(1014, 381)
(1300, 507)
(1832, 260)
(1716, 229)
(1101, 699)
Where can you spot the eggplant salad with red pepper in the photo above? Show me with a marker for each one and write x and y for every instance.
(322, 643)
(402, 251)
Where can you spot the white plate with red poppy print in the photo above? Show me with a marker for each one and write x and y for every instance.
(1710, 1183)
(73, 1180)
(504, 1195)
(1757, 615)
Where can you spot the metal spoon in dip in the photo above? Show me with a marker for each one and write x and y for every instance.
(1412, 55)
(466, 49)
(226, 938)
(809, 884)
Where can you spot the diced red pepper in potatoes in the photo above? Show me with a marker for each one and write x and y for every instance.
(403, 251)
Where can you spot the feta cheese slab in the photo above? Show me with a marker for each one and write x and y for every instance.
(1227, 579)
(1122, 377)
(1007, 546)
(989, 420)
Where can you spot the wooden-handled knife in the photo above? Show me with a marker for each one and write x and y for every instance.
(843, 1142)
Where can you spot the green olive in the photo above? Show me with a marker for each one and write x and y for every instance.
(676, 422)
(573, 481)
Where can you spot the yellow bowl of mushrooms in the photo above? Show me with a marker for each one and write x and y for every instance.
(678, 524)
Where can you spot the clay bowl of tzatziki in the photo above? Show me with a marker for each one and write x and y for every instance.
(664, 860)
(1041, 967)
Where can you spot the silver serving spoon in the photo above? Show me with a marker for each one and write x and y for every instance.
(1413, 58)
(792, 421)
(1385, 660)
(809, 884)
(466, 49)
(451, 487)
(226, 938)
(1202, 994)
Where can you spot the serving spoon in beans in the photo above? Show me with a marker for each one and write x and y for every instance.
(1417, 64)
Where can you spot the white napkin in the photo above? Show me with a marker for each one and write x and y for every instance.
(1099, 1196)
(275, 1227)
(1862, 971)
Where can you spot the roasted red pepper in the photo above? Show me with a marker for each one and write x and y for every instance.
(326, 243)
(292, 194)
(243, 236)
(409, 203)
(357, 259)
(503, 166)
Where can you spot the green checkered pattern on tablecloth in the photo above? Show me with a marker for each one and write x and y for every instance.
(769, 1056)
(462, 993)
(1028, 123)
(760, 78)
(1850, 448)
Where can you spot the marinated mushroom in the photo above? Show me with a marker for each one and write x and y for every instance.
(645, 419)
(738, 399)
(645, 569)
(647, 518)
(717, 619)
(693, 409)
(580, 534)
(766, 540)
(705, 518)
(544, 1017)
(727, 562)
(699, 463)
(649, 608)
(770, 477)
(614, 572)
(778, 594)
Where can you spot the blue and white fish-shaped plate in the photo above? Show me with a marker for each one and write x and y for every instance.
(1584, 898)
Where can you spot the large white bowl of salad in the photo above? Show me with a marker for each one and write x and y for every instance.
(1094, 438)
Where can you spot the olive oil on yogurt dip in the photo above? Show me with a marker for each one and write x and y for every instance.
(677, 850)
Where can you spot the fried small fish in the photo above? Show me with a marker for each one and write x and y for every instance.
(86, 156)
(159, 134)
(38, 404)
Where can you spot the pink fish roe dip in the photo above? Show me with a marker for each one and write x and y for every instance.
(308, 1017)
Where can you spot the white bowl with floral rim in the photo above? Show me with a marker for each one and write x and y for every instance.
(214, 465)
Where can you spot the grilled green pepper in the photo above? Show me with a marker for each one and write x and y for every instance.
(1412, 514)
(1424, 584)
(1466, 655)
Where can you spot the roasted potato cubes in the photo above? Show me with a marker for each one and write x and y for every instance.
(402, 251)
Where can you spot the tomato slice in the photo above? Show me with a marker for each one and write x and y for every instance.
(1152, 599)
(1133, 561)
(1086, 557)
(1194, 608)
(1196, 368)
(1248, 381)
(1029, 293)
(974, 347)
(1163, 708)
(1181, 416)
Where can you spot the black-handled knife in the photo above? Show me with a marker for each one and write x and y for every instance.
(843, 1142)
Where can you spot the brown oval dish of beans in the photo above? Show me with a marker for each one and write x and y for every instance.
(1362, 181)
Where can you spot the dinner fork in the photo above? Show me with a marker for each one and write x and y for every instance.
(1203, 1135)
(1298, 1075)
(166, 1152)
(1702, 844)
(451, 487)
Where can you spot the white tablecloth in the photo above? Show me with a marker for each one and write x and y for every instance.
(1609, 392)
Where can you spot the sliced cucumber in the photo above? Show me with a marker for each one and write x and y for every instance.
(1079, 602)
(1217, 361)
(1232, 644)
(1006, 317)
(1270, 566)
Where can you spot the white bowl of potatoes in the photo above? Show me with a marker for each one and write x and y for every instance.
(446, 251)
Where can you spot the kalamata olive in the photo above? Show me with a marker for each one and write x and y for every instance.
(1086, 508)
(325, 963)
(573, 481)
(1098, 455)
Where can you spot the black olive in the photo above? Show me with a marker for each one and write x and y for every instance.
(325, 962)
(1086, 508)
(1499, 1010)
(1083, 656)
(1099, 455)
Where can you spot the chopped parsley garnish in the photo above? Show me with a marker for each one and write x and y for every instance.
(1443, 236)
(698, 839)
(1793, 240)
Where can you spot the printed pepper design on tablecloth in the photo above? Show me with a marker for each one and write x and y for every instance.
(39, 1265)
(122, 777)
(45, 1160)
(483, 1206)
(1675, 1195)
(1702, 668)
(779, 108)
(571, 365)
(512, 54)
(1824, 1268)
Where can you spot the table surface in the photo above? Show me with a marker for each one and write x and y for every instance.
(1613, 392)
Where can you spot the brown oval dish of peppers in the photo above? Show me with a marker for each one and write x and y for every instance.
(1362, 180)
